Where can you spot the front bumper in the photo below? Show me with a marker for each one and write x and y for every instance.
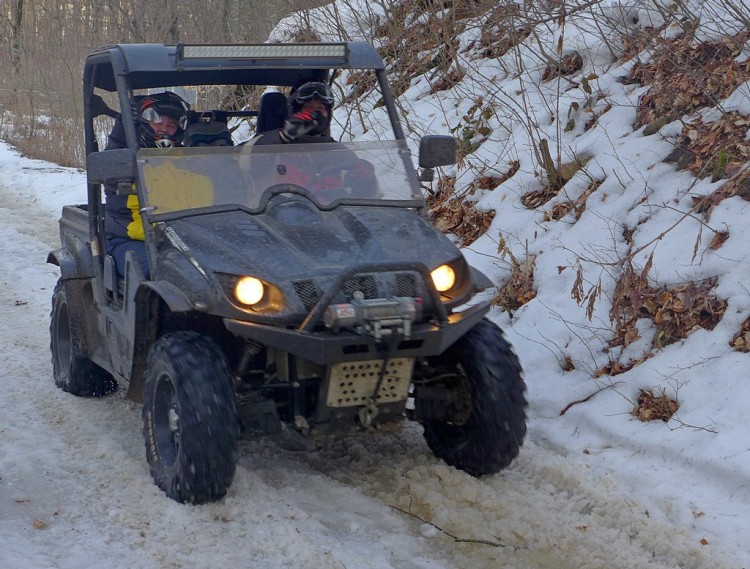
(324, 347)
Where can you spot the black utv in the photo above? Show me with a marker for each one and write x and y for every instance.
(274, 303)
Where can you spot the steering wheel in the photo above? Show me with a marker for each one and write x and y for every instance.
(291, 204)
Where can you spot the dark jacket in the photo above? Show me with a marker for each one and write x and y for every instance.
(122, 217)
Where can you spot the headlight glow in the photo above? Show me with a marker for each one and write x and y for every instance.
(444, 278)
(249, 290)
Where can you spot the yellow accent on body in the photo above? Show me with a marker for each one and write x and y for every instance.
(174, 189)
(135, 227)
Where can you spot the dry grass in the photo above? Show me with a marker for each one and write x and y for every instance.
(519, 289)
(53, 141)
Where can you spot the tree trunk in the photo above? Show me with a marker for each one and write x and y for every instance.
(16, 30)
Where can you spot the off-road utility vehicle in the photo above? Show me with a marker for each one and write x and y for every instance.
(274, 305)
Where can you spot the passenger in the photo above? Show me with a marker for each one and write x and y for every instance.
(162, 121)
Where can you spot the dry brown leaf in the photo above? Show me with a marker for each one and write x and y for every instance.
(683, 75)
(453, 214)
(676, 311)
(651, 407)
(741, 342)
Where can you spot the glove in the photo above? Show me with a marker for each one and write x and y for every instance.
(300, 124)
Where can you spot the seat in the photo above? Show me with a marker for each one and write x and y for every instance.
(110, 274)
(208, 128)
(272, 111)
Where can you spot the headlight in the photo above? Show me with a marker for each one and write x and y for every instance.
(249, 290)
(444, 278)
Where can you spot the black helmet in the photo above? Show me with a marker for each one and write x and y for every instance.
(153, 108)
(309, 91)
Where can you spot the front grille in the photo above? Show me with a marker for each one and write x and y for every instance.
(360, 283)
(308, 292)
(406, 285)
(369, 286)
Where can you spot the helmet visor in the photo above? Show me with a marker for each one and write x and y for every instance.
(310, 91)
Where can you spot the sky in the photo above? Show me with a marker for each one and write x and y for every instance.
(592, 487)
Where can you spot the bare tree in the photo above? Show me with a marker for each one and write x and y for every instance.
(16, 30)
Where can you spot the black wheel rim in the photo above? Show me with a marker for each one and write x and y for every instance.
(456, 428)
(166, 421)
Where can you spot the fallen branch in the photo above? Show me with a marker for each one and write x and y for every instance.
(694, 427)
(585, 399)
(453, 537)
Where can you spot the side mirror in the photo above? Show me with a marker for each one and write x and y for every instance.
(111, 167)
(437, 150)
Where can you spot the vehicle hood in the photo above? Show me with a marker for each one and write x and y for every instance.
(297, 240)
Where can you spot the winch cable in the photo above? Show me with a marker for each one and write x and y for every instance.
(370, 410)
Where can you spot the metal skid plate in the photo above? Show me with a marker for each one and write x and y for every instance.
(352, 384)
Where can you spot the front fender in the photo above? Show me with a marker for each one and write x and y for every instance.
(172, 296)
(151, 301)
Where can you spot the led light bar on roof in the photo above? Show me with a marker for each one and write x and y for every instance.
(265, 51)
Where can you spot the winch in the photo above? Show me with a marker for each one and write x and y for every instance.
(376, 317)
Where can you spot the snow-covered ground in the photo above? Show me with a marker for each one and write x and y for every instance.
(592, 488)
(75, 490)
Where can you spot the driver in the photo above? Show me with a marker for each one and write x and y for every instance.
(161, 123)
(310, 113)
(310, 110)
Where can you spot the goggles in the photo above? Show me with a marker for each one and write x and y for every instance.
(310, 91)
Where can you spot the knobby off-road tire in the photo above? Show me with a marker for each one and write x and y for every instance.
(189, 418)
(73, 371)
(486, 428)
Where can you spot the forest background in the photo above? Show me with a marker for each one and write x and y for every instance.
(45, 42)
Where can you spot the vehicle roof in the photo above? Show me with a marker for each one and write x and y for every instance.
(158, 65)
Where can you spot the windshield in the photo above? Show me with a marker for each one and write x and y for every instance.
(177, 179)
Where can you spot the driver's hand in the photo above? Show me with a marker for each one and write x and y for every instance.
(301, 123)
